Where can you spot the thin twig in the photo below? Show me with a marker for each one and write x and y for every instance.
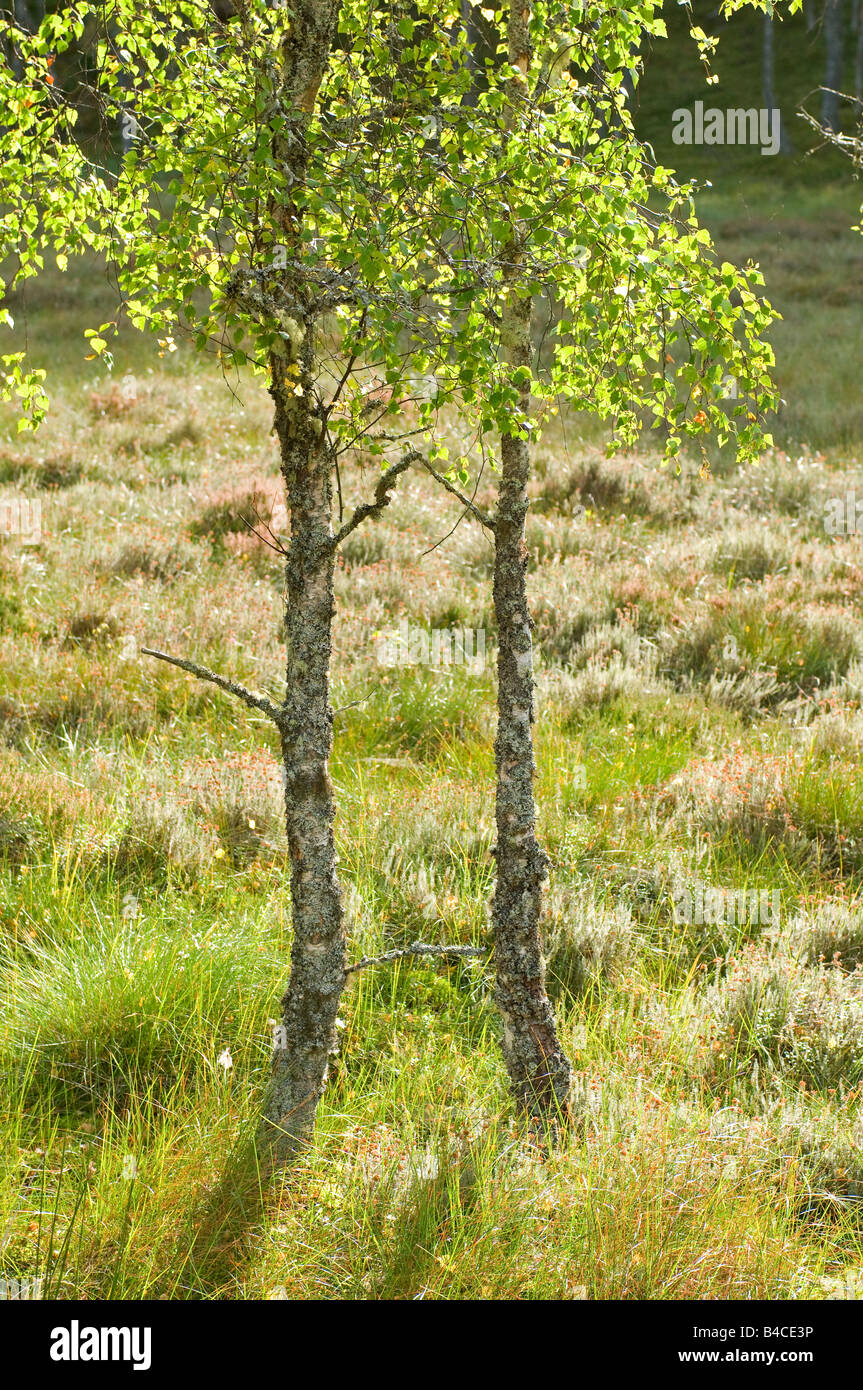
(437, 544)
(465, 501)
(259, 702)
(386, 483)
(278, 547)
(419, 948)
(353, 704)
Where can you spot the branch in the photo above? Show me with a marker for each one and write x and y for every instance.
(254, 701)
(386, 483)
(419, 948)
(465, 501)
(278, 547)
(851, 145)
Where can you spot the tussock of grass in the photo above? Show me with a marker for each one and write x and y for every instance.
(135, 1005)
(772, 1016)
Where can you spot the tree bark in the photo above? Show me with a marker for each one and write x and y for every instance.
(310, 1003)
(30, 16)
(768, 94)
(833, 36)
(858, 67)
(539, 1071)
(317, 978)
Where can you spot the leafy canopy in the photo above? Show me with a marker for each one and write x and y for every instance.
(427, 159)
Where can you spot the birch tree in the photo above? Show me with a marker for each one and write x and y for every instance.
(858, 62)
(239, 174)
(768, 73)
(650, 326)
(539, 1070)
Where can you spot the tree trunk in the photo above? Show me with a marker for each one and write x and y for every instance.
(637, 51)
(768, 95)
(317, 978)
(539, 1071)
(858, 67)
(28, 16)
(310, 1004)
(833, 64)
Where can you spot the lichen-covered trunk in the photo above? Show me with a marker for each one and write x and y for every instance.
(310, 1004)
(307, 1036)
(539, 1071)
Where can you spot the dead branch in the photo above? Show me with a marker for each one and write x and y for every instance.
(419, 948)
(259, 702)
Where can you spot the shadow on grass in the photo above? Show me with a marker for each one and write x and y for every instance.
(218, 1244)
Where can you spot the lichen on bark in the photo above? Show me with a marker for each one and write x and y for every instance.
(317, 978)
(539, 1071)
